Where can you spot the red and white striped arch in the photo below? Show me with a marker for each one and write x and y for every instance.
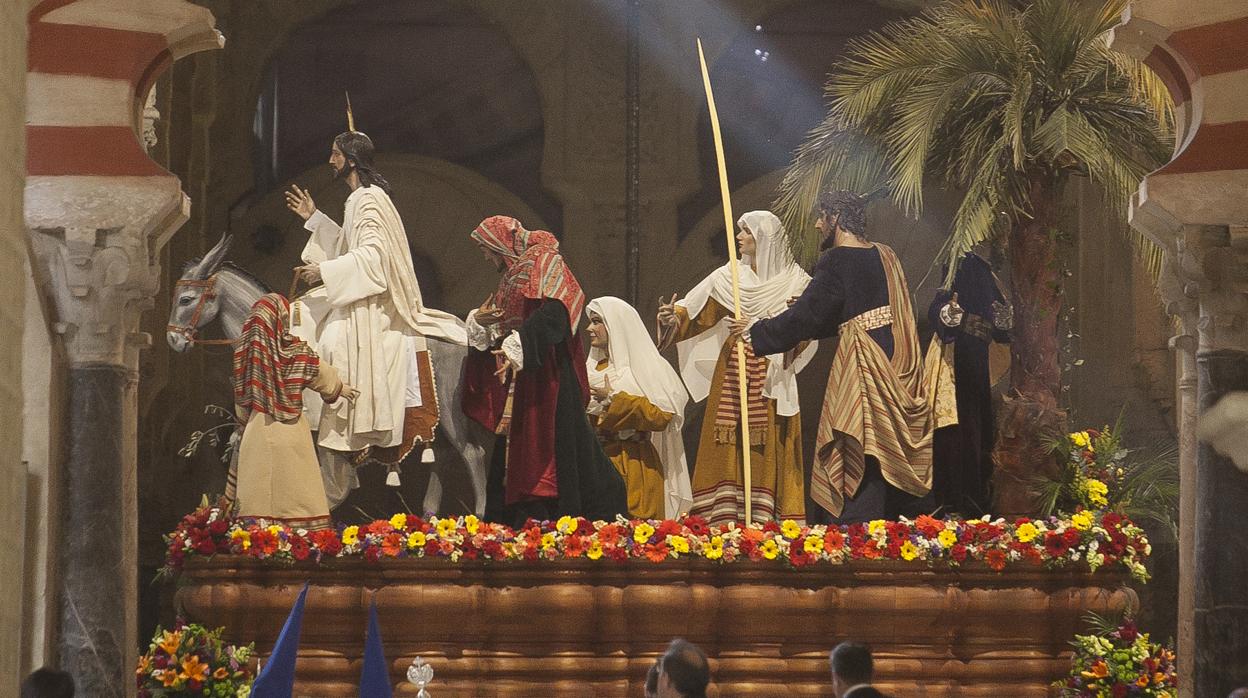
(90, 66)
(1200, 49)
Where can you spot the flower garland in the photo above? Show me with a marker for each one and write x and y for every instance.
(191, 660)
(1092, 539)
(1118, 663)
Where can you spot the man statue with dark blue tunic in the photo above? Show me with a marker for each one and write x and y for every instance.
(874, 446)
(971, 315)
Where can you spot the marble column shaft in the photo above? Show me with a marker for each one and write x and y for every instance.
(1221, 550)
(93, 604)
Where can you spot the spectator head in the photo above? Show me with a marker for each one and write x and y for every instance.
(48, 683)
(652, 680)
(683, 671)
(1239, 693)
(851, 666)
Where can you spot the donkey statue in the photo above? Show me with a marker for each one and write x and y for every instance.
(212, 288)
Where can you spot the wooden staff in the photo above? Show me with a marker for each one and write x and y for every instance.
(742, 383)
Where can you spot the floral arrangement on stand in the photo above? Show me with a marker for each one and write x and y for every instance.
(1087, 539)
(191, 660)
(1118, 661)
(1099, 473)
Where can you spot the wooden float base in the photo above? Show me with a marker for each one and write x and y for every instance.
(580, 628)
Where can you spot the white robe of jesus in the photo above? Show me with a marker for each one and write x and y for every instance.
(376, 318)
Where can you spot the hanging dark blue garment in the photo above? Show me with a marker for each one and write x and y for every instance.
(375, 677)
(277, 678)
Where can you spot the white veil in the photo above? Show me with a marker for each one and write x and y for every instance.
(764, 293)
(636, 367)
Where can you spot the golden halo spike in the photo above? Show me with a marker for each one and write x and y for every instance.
(742, 383)
(350, 116)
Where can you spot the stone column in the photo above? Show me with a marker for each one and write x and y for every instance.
(98, 211)
(1181, 299)
(100, 279)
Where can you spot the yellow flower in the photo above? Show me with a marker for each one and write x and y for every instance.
(416, 539)
(472, 524)
(566, 525)
(1080, 439)
(399, 521)
(813, 545)
(446, 527)
(1096, 491)
(351, 535)
(242, 536)
(769, 549)
(275, 529)
(790, 529)
(170, 641)
(193, 669)
(548, 541)
(595, 550)
(876, 527)
(1081, 521)
(947, 538)
(679, 543)
(1026, 533)
(714, 548)
(908, 551)
(642, 533)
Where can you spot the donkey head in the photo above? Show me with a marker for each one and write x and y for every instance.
(195, 302)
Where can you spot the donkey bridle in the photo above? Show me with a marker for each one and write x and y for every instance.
(209, 286)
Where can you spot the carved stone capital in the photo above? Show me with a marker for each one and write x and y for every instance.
(97, 241)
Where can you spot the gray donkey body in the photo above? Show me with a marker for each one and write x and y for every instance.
(211, 288)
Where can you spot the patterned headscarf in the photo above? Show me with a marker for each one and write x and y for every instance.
(534, 269)
(271, 368)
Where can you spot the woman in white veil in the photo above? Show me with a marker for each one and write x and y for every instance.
(768, 278)
(638, 407)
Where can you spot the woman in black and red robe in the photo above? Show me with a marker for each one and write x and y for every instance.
(525, 380)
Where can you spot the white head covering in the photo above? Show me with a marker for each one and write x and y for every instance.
(636, 367)
(768, 278)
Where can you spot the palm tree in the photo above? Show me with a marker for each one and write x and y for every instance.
(1001, 102)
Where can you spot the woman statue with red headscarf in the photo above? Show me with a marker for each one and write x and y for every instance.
(525, 380)
(278, 477)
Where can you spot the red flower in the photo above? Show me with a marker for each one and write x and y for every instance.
(995, 559)
(609, 535)
(958, 552)
(1128, 631)
(833, 540)
(219, 527)
(656, 552)
(380, 526)
(299, 548)
(392, 544)
(929, 526)
(1055, 545)
(1072, 537)
(327, 541)
(771, 527)
(372, 553)
(798, 556)
(574, 546)
(696, 525)
(667, 528)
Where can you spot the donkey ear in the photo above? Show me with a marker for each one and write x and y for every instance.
(213, 258)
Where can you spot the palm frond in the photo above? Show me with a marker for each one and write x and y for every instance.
(985, 97)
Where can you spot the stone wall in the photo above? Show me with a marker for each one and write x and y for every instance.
(13, 274)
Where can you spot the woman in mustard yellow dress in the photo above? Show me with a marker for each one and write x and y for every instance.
(637, 406)
(698, 323)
